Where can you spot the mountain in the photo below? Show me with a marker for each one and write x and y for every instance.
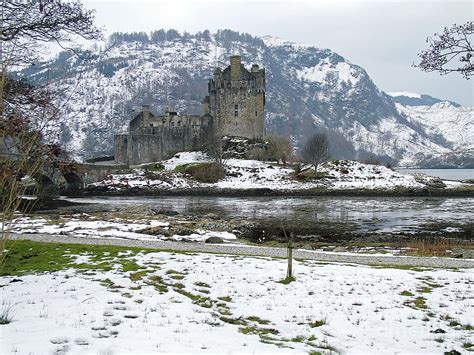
(455, 124)
(308, 89)
(407, 98)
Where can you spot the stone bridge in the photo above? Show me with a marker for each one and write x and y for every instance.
(70, 178)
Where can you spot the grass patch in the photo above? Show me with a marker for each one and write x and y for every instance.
(6, 313)
(258, 331)
(199, 300)
(137, 276)
(432, 247)
(417, 303)
(286, 280)
(202, 284)
(225, 298)
(153, 167)
(406, 294)
(234, 321)
(467, 345)
(258, 320)
(424, 289)
(26, 256)
(317, 323)
(203, 172)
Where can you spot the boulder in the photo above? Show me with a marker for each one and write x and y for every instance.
(214, 240)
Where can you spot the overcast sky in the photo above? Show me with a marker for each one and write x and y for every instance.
(382, 36)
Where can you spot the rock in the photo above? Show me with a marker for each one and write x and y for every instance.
(139, 211)
(167, 212)
(463, 253)
(214, 240)
(251, 231)
(340, 249)
(430, 181)
(438, 331)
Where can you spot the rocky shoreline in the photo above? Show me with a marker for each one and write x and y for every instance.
(467, 191)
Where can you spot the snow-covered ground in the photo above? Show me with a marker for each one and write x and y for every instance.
(203, 303)
(253, 174)
(88, 226)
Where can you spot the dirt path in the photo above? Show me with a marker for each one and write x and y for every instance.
(364, 259)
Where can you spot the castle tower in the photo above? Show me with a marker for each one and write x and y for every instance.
(237, 100)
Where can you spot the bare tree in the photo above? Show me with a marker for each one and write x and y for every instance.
(27, 25)
(279, 148)
(214, 147)
(26, 111)
(451, 51)
(316, 150)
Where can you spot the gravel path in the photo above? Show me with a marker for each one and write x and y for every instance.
(257, 251)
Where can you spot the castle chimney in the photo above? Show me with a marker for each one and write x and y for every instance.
(235, 67)
(146, 115)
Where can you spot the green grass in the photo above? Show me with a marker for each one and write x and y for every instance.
(225, 298)
(137, 276)
(286, 280)
(201, 284)
(234, 321)
(417, 303)
(467, 345)
(258, 331)
(153, 167)
(406, 294)
(258, 320)
(317, 323)
(199, 300)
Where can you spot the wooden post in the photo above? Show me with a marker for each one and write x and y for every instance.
(290, 262)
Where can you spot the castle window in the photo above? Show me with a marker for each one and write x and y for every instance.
(236, 110)
(256, 113)
(151, 124)
(179, 123)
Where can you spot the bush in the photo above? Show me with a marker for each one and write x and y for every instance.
(309, 175)
(154, 167)
(203, 172)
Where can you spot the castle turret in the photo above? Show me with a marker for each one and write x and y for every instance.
(237, 100)
(205, 105)
(235, 62)
(146, 115)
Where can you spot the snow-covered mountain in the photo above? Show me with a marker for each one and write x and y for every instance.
(408, 98)
(454, 123)
(308, 89)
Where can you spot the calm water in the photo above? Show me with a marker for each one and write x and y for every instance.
(378, 214)
(448, 174)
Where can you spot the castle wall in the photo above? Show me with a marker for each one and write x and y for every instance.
(121, 148)
(158, 143)
(249, 122)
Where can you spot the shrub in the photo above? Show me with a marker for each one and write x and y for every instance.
(309, 175)
(154, 167)
(203, 172)
(6, 313)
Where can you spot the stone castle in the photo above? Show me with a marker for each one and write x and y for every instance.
(234, 106)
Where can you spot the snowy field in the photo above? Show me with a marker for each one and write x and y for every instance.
(253, 174)
(88, 226)
(200, 303)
